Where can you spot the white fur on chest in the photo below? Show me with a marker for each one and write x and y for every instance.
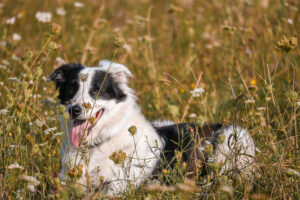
(142, 152)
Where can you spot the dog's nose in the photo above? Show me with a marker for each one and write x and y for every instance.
(75, 111)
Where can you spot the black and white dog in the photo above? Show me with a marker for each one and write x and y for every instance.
(102, 110)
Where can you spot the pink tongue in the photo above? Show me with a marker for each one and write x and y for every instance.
(79, 131)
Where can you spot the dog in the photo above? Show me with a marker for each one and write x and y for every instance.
(113, 143)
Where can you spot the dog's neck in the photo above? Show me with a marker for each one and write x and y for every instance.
(115, 123)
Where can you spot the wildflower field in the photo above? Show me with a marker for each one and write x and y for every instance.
(193, 61)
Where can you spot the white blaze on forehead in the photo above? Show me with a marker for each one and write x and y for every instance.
(82, 95)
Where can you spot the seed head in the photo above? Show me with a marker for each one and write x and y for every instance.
(55, 29)
(29, 55)
(87, 106)
(92, 120)
(118, 157)
(287, 44)
(119, 42)
(132, 130)
(209, 149)
(61, 109)
(52, 45)
(221, 139)
(83, 77)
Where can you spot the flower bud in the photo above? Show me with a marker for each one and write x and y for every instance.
(132, 130)
(52, 45)
(28, 55)
(55, 29)
(119, 42)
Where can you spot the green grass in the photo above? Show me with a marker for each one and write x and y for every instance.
(228, 48)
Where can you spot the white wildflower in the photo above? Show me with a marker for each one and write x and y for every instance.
(16, 58)
(60, 61)
(249, 101)
(290, 21)
(206, 35)
(57, 135)
(117, 29)
(265, 3)
(17, 146)
(30, 188)
(29, 179)
(38, 123)
(43, 17)
(3, 67)
(261, 108)
(5, 62)
(209, 46)
(197, 92)
(13, 79)
(16, 37)
(61, 11)
(293, 172)
(3, 111)
(20, 194)
(11, 20)
(226, 188)
(15, 166)
(43, 144)
(47, 131)
(78, 4)
(44, 78)
(192, 115)
(298, 103)
(140, 18)
(127, 47)
(20, 15)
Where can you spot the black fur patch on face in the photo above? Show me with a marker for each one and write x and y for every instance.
(67, 81)
(109, 90)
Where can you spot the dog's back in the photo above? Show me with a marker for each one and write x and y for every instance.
(197, 146)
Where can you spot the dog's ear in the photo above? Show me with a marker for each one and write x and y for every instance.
(119, 71)
(60, 75)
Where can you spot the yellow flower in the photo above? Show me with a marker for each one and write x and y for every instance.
(193, 85)
(253, 82)
(181, 90)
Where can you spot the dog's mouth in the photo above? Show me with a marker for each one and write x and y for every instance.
(81, 128)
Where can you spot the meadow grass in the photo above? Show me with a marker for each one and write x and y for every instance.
(243, 53)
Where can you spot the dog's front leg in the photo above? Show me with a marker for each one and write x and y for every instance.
(123, 177)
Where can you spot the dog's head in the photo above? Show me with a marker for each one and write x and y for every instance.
(91, 95)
